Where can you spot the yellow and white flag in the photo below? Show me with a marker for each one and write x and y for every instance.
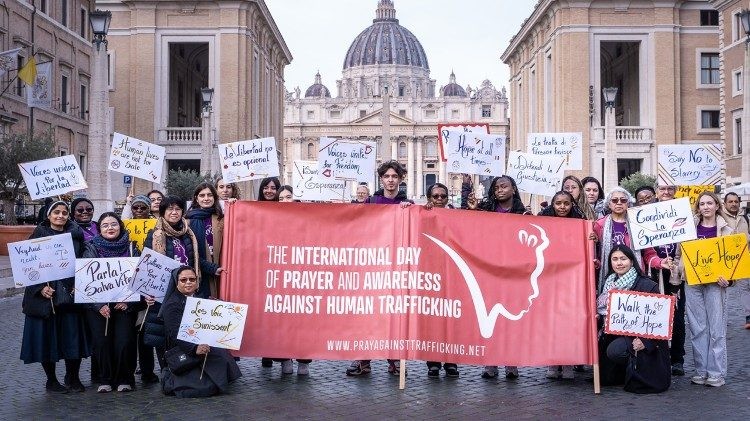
(39, 94)
(8, 60)
(28, 72)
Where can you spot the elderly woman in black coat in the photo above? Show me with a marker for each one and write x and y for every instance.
(642, 365)
(201, 379)
(60, 333)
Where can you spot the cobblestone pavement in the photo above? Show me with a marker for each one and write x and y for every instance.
(328, 394)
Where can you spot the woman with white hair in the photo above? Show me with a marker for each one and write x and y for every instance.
(613, 230)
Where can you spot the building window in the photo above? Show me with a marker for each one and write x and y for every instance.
(19, 82)
(402, 150)
(335, 113)
(401, 90)
(709, 119)
(362, 113)
(82, 164)
(737, 136)
(310, 115)
(431, 148)
(486, 111)
(43, 6)
(737, 31)
(82, 32)
(310, 150)
(402, 113)
(110, 70)
(64, 12)
(454, 114)
(429, 179)
(431, 166)
(64, 93)
(709, 18)
(63, 152)
(737, 82)
(84, 112)
(430, 114)
(709, 68)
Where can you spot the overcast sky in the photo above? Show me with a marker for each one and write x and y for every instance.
(467, 36)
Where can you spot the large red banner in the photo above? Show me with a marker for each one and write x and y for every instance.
(342, 281)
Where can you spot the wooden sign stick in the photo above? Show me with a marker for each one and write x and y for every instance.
(597, 380)
(402, 375)
(144, 319)
(51, 301)
(106, 326)
(205, 357)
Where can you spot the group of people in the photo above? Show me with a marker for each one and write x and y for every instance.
(120, 337)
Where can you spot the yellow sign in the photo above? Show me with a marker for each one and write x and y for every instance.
(707, 260)
(138, 228)
(692, 192)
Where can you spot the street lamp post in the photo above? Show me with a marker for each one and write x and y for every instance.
(745, 141)
(100, 182)
(610, 140)
(207, 146)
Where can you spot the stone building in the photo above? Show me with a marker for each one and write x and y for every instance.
(387, 57)
(663, 57)
(161, 54)
(732, 40)
(56, 31)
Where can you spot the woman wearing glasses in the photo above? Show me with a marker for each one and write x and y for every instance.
(437, 197)
(154, 200)
(113, 336)
(613, 230)
(83, 214)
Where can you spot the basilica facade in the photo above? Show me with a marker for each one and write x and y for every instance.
(386, 68)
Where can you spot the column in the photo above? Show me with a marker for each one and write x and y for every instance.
(206, 144)
(419, 165)
(745, 163)
(411, 186)
(98, 177)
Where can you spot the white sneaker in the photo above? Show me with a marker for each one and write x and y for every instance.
(124, 388)
(553, 372)
(287, 367)
(715, 381)
(105, 388)
(568, 373)
(700, 380)
(303, 369)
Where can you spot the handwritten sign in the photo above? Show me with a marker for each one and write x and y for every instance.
(634, 313)
(105, 280)
(443, 128)
(707, 260)
(42, 260)
(136, 157)
(52, 177)
(152, 274)
(662, 223)
(568, 146)
(475, 153)
(138, 229)
(692, 192)
(249, 160)
(536, 174)
(308, 185)
(690, 165)
(344, 159)
(215, 323)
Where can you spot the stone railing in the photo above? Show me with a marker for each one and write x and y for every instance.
(625, 134)
(180, 135)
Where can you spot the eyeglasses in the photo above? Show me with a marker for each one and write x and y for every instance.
(439, 196)
(186, 280)
(108, 226)
(139, 208)
(620, 200)
(84, 210)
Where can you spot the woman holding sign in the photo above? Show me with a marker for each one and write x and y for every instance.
(641, 364)
(706, 304)
(206, 220)
(114, 339)
(53, 330)
(214, 368)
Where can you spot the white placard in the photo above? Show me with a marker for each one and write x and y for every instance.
(249, 160)
(42, 260)
(309, 186)
(568, 146)
(105, 280)
(536, 174)
(345, 159)
(136, 157)
(661, 223)
(218, 324)
(468, 127)
(690, 165)
(633, 313)
(475, 153)
(152, 274)
(52, 177)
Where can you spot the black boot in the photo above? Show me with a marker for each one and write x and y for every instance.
(53, 385)
(72, 367)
